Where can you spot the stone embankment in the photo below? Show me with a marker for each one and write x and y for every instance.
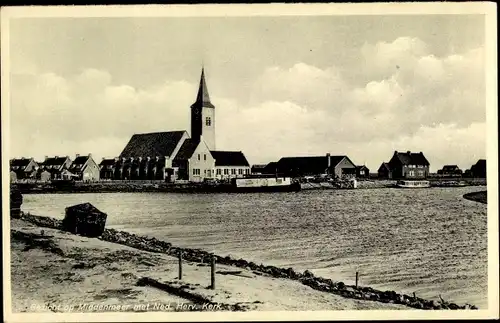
(306, 278)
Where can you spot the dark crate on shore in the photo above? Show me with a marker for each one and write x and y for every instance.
(84, 219)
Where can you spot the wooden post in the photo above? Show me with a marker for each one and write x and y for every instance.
(357, 276)
(212, 276)
(180, 265)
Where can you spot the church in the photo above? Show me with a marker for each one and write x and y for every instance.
(178, 155)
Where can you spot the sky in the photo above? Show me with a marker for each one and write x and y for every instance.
(361, 86)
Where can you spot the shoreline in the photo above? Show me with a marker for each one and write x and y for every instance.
(361, 293)
(162, 187)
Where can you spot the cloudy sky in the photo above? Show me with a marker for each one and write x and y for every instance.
(363, 86)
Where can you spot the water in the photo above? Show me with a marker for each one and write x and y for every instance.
(428, 241)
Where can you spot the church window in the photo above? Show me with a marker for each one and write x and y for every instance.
(204, 156)
(233, 171)
(226, 171)
(247, 171)
(240, 171)
(198, 156)
(196, 171)
(208, 121)
(218, 171)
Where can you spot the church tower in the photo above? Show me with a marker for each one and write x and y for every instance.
(203, 116)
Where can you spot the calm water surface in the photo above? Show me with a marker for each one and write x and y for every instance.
(427, 241)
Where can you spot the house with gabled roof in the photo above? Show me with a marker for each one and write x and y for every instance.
(55, 165)
(384, 171)
(22, 168)
(450, 171)
(362, 171)
(84, 168)
(408, 165)
(194, 161)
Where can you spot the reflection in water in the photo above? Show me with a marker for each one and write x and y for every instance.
(428, 241)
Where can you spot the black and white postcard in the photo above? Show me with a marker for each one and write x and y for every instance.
(250, 162)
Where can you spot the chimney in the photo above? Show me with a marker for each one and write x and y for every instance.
(46, 157)
(408, 152)
(90, 154)
(57, 156)
(77, 155)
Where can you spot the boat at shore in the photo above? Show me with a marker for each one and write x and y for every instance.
(413, 184)
(244, 185)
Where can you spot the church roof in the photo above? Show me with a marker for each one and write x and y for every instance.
(203, 98)
(187, 149)
(152, 144)
(229, 158)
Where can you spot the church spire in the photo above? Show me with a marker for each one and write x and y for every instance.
(203, 96)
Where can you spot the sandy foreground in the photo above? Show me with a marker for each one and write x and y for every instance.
(55, 271)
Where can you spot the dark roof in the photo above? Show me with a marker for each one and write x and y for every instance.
(385, 165)
(317, 164)
(55, 161)
(270, 168)
(361, 167)
(450, 167)
(203, 98)
(481, 163)
(107, 162)
(80, 160)
(409, 158)
(229, 158)
(187, 149)
(20, 162)
(308, 164)
(152, 144)
(259, 166)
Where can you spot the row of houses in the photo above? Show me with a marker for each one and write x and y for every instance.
(402, 165)
(415, 165)
(82, 168)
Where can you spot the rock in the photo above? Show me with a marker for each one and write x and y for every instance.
(340, 286)
(307, 273)
(84, 219)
